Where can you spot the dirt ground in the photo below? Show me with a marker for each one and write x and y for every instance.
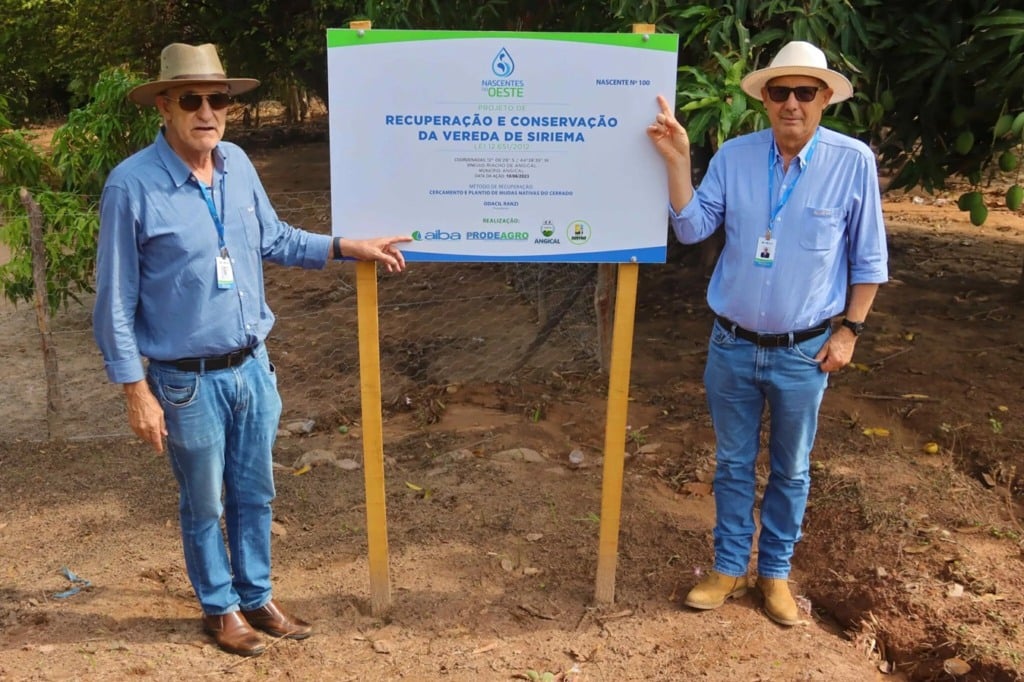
(910, 569)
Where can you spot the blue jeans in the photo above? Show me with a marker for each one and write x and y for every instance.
(221, 427)
(740, 378)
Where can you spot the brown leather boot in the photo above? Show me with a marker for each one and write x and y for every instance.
(779, 604)
(712, 592)
(233, 634)
(274, 621)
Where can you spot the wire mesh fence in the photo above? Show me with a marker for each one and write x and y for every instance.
(439, 324)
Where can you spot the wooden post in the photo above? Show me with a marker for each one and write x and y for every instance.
(620, 358)
(54, 401)
(615, 431)
(373, 428)
(373, 437)
(604, 300)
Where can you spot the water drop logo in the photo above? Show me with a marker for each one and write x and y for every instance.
(417, 235)
(502, 65)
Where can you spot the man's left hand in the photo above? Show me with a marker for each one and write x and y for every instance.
(837, 351)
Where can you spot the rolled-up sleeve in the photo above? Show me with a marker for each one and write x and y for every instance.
(869, 254)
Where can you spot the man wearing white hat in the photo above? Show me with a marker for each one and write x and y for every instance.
(185, 225)
(804, 243)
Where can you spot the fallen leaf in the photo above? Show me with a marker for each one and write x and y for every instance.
(533, 537)
(697, 489)
(990, 597)
(915, 396)
(536, 613)
(485, 648)
(413, 486)
(382, 646)
(615, 616)
(956, 666)
(930, 448)
(916, 549)
(1003, 408)
(304, 469)
(876, 431)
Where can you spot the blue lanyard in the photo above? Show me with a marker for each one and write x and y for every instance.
(213, 214)
(789, 190)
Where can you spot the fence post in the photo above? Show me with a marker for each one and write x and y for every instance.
(54, 402)
(604, 304)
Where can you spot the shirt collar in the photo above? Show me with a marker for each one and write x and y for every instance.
(179, 172)
(803, 156)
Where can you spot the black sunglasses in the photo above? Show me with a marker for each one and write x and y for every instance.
(780, 93)
(194, 102)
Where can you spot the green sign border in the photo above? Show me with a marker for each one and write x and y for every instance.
(350, 37)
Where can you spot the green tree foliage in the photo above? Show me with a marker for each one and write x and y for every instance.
(939, 85)
(944, 71)
(66, 183)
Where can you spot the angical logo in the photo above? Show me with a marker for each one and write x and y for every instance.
(547, 228)
(502, 65)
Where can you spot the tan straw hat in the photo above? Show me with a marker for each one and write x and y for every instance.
(182, 64)
(798, 58)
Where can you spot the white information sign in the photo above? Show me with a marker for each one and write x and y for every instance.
(500, 146)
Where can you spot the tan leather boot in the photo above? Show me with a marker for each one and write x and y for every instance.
(712, 592)
(778, 601)
(234, 634)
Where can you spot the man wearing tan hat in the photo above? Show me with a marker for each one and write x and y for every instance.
(804, 243)
(185, 225)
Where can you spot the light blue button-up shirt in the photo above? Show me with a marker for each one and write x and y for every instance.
(829, 234)
(156, 270)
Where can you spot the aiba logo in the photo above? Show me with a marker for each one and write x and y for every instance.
(436, 236)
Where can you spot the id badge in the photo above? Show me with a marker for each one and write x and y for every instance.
(225, 275)
(765, 255)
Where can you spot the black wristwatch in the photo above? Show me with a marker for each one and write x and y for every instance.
(856, 327)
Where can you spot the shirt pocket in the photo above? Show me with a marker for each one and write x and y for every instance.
(251, 227)
(820, 228)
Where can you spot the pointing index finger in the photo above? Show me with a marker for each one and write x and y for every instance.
(665, 107)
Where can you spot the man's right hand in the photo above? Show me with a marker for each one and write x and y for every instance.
(145, 415)
(668, 135)
(673, 143)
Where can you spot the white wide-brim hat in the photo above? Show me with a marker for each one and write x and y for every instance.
(182, 64)
(798, 58)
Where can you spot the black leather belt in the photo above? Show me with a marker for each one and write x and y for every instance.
(232, 359)
(773, 340)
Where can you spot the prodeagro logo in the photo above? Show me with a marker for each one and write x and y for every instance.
(578, 232)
